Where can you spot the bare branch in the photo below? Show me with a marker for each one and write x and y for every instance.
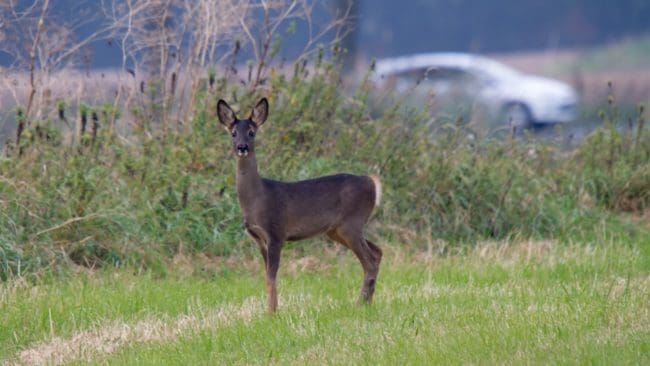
(32, 57)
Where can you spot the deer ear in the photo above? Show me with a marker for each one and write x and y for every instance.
(225, 114)
(260, 112)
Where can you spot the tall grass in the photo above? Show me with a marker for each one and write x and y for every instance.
(141, 197)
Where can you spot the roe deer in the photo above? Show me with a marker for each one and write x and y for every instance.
(274, 212)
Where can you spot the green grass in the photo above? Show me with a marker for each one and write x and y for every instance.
(537, 302)
(32, 313)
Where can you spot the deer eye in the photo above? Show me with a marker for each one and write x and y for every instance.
(233, 133)
(251, 133)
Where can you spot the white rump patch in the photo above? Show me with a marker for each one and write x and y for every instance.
(377, 182)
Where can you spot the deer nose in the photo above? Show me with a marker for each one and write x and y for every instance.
(242, 149)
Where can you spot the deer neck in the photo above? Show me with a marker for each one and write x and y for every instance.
(248, 181)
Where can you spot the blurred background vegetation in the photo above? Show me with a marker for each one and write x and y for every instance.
(384, 28)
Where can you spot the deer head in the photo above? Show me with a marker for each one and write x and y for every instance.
(243, 130)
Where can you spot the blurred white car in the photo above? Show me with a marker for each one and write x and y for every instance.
(511, 96)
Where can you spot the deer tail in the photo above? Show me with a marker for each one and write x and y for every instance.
(377, 183)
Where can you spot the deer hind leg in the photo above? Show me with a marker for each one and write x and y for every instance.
(368, 254)
(376, 252)
(369, 281)
(371, 269)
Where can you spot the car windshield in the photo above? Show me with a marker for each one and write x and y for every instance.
(493, 70)
(419, 65)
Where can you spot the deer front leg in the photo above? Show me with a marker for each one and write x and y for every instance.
(260, 243)
(272, 266)
(260, 238)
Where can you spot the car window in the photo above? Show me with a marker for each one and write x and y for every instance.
(448, 75)
(411, 76)
(445, 74)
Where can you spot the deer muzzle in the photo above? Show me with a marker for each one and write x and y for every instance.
(242, 150)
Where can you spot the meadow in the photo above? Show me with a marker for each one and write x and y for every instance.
(533, 302)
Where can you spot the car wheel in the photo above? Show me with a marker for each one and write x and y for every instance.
(517, 116)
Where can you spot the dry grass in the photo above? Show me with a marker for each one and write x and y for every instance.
(109, 338)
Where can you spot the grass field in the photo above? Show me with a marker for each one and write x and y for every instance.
(534, 302)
